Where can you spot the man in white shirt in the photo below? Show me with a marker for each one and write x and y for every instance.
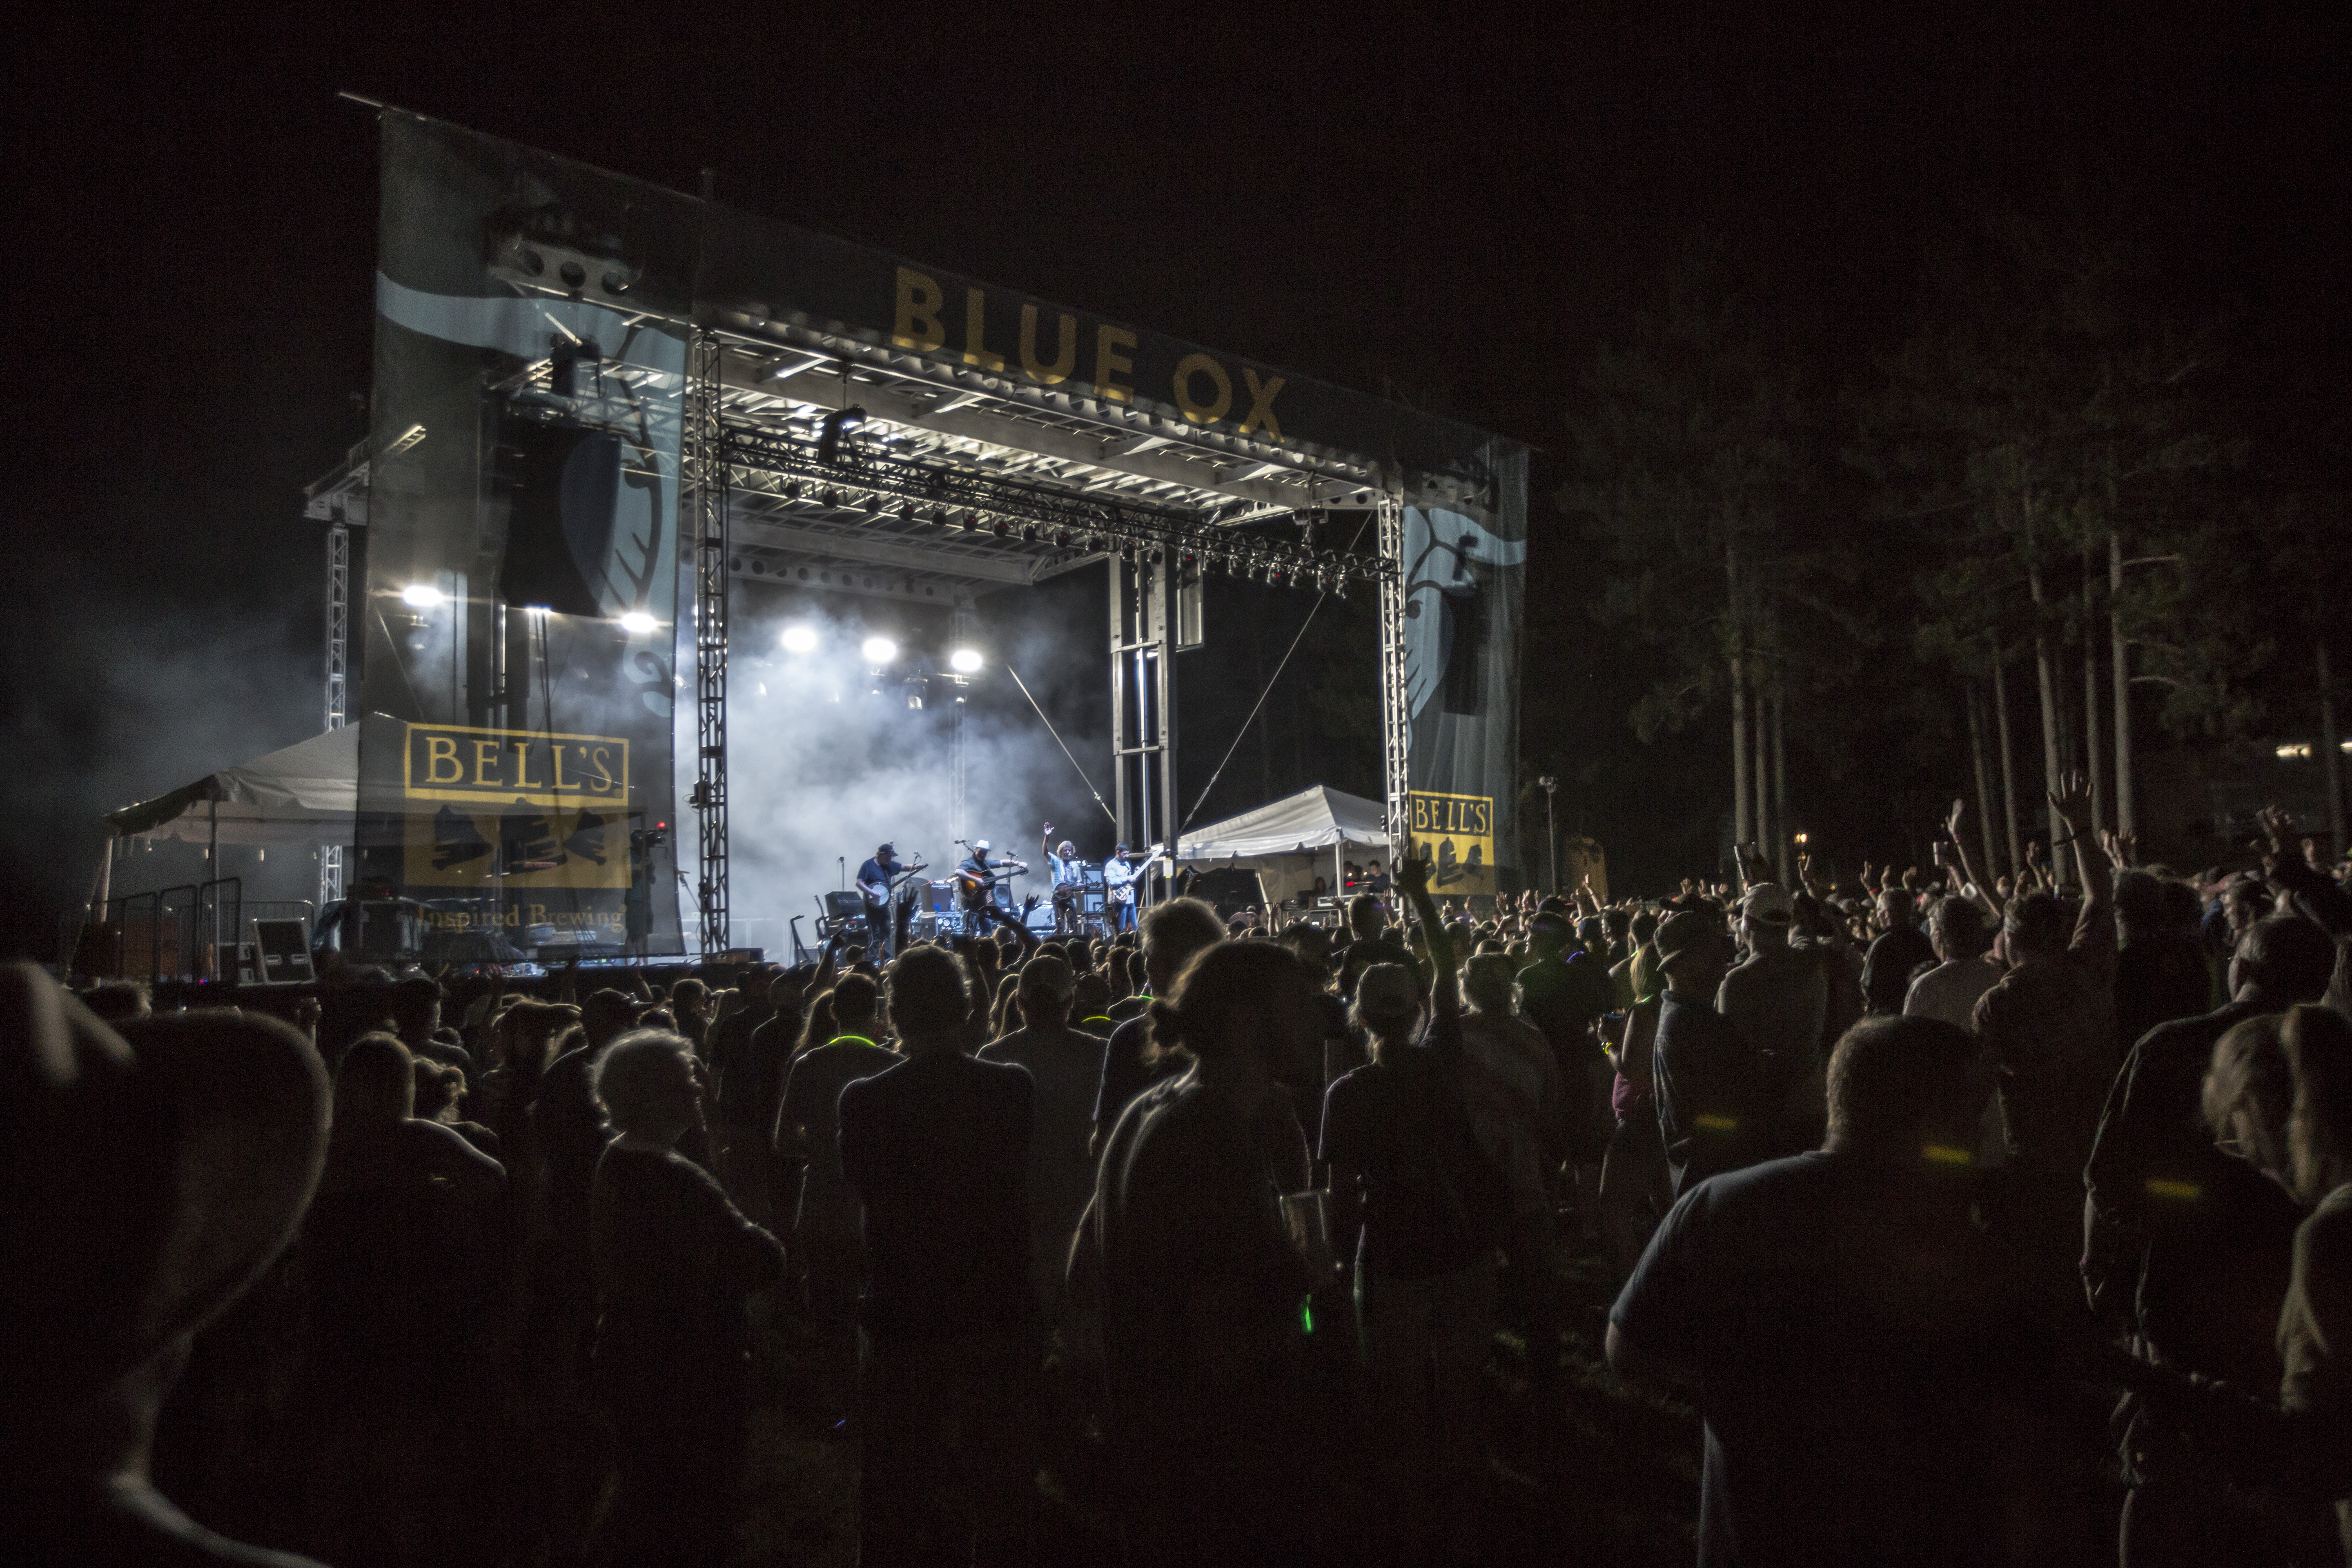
(1119, 890)
(1950, 990)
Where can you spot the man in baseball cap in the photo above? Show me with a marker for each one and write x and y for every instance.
(149, 1173)
(1705, 1075)
(1778, 998)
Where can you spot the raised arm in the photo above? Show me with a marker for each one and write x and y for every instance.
(2072, 804)
(1958, 850)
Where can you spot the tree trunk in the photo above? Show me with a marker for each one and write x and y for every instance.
(2091, 692)
(1739, 821)
(1984, 784)
(1779, 793)
(2332, 749)
(2047, 676)
(2119, 661)
(2008, 763)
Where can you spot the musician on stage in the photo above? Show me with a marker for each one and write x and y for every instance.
(1119, 890)
(1069, 874)
(976, 882)
(878, 879)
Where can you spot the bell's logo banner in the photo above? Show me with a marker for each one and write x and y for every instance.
(1455, 834)
(479, 767)
(517, 810)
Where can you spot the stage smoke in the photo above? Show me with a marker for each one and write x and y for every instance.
(829, 756)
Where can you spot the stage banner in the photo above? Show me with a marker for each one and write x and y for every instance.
(520, 610)
(1465, 567)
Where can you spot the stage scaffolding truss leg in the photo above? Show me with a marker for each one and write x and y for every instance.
(1143, 702)
(703, 498)
(1396, 715)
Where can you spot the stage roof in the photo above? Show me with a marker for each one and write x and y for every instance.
(952, 373)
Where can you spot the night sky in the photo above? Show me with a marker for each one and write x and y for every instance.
(1454, 211)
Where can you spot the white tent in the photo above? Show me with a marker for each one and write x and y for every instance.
(1291, 841)
(305, 794)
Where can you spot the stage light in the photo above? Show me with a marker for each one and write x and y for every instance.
(422, 596)
(800, 639)
(879, 650)
(1003, 529)
(832, 498)
(964, 661)
(639, 621)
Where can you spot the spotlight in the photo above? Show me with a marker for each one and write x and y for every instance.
(879, 650)
(1061, 538)
(837, 423)
(793, 491)
(800, 639)
(832, 498)
(637, 621)
(422, 596)
(1003, 529)
(964, 661)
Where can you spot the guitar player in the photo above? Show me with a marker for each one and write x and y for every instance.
(878, 880)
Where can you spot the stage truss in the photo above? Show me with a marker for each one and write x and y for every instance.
(851, 468)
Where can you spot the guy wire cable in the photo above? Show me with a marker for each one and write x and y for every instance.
(1320, 595)
(1059, 741)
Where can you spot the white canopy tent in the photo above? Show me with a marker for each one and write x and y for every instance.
(1291, 841)
(304, 794)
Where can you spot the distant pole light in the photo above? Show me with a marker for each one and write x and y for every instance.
(965, 661)
(799, 638)
(879, 650)
(638, 622)
(422, 596)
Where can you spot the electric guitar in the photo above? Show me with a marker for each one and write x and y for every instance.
(878, 894)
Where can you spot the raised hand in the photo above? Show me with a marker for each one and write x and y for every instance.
(2278, 827)
(1412, 874)
(1952, 823)
(1911, 879)
(2071, 799)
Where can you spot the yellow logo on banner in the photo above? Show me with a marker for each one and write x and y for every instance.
(515, 809)
(1456, 833)
(455, 763)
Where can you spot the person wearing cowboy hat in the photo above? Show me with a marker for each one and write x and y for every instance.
(153, 1170)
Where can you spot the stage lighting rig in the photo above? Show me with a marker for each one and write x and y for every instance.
(638, 622)
(879, 650)
(965, 661)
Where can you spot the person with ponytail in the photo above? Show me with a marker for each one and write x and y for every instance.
(1205, 1296)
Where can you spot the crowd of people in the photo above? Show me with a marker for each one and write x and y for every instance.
(1983, 1221)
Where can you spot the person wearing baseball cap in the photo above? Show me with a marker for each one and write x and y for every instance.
(1706, 1076)
(1778, 998)
(153, 1170)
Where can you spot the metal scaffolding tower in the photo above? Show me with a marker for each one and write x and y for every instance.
(1143, 700)
(703, 499)
(1396, 710)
